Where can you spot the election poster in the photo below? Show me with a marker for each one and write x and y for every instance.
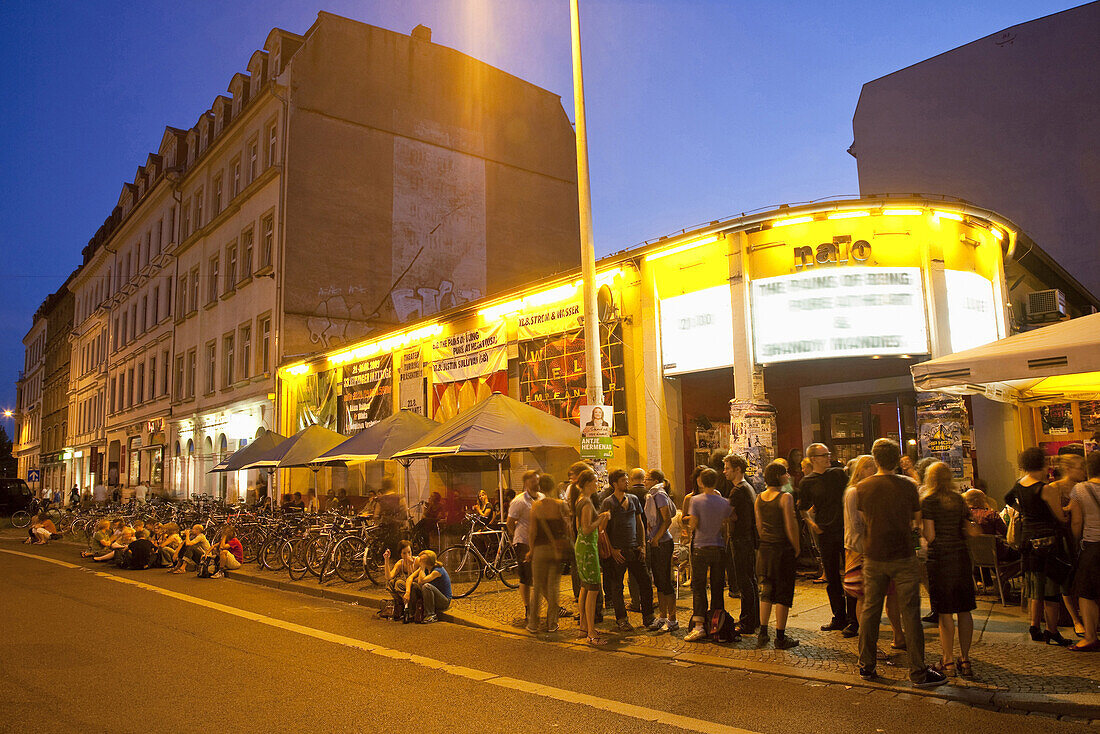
(596, 421)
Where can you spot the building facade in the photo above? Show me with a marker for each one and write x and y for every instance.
(58, 311)
(759, 334)
(1008, 120)
(27, 441)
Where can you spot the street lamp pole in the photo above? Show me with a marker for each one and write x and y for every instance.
(593, 367)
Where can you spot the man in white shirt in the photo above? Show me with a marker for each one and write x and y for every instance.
(99, 493)
(519, 516)
(140, 492)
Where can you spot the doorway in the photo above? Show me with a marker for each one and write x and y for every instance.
(850, 425)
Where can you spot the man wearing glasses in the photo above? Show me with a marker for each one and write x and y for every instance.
(822, 492)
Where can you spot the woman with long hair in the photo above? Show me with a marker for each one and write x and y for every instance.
(587, 552)
(945, 525)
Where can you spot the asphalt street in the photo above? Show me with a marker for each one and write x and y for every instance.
(98, 649)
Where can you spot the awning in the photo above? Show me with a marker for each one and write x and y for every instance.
(1051, 364)
(382, 440)
(301, 449)
(244, 456)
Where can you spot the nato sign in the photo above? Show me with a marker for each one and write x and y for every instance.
(33, 475)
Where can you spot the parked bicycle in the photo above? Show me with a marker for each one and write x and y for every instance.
(467, 565)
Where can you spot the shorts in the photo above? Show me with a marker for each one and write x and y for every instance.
(1086, 582)
(775, 569)
(522, 550)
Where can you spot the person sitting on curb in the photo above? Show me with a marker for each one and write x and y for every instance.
(229, 553)
(195, 546)
(42, 530)
(169, 545)
(396, 576)
(101, 540)
(123, 541)
(139, 554)
(431, 584)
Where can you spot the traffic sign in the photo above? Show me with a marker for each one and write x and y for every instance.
(34, 475)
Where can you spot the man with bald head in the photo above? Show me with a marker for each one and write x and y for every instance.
(821, 492)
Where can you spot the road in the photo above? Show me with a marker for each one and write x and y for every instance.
(98, 649)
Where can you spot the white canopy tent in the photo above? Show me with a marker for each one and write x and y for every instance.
(1051, 364)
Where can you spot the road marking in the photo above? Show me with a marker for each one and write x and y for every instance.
(620, 708)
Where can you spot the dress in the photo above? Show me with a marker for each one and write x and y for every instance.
(588, 559)
(950, 573)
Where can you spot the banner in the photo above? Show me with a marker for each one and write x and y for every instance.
(470, 354)
(410, 389)
(552, 375)
(451, 398)
(368, 392)
(943, 432)
(550, 320)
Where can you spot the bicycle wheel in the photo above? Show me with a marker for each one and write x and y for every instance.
(349, 559)
(250, 542)
(269, 556)
(20, 518)
(508, 567)
(315, 552)
(464, 568)
(297, 567)
(375, 564)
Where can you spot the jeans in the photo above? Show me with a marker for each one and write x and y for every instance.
(744, 564)
(877, 575)
(545, 584)
(635, 565)
(660, 565)
(832, 561)
(434, 600)
(712, 560)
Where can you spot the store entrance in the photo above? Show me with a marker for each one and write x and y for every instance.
(850, 425)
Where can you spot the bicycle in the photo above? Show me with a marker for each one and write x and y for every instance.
(467, 565)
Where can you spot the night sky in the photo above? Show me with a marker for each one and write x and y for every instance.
(696, 110)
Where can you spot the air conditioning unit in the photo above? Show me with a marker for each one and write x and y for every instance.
(1048, 305)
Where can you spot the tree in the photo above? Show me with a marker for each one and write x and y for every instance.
(7, 461)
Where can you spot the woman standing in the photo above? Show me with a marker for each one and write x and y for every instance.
(1041, 550)
(1084, 512)
(549, 536)
(945, 525)
(775, 559)
(589, 523)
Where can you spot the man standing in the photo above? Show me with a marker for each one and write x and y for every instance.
(141, 492)
(743, 542)
(658, 516)
(890, 509)
(626, 532)
(519, 527)
(638, 489)
(822, 492)
(99, 493)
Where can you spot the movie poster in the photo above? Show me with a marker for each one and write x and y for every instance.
(552, 375)
(943, 432)
(367, 393)
(1090, 415)
(1056, 419)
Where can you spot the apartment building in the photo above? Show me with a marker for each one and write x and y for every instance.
(28, 426)
(58, 312)
(351, 179)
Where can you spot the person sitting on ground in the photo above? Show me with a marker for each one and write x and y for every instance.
(119, 544)
(1084, 513)
(195, 547)
(42, 530)
(229, 553)
(775, 559)
(431, 584)
(140, 553)
(397, 575)
(101, 539)
(169, 545)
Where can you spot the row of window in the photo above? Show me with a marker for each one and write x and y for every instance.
(130, 387)
(237, 363)
(33, 353)
(238, 257)
(89, 413)
(93, 353)
(143, 314)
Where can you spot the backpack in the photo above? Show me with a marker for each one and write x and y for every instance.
(206, 567)
(721, 627)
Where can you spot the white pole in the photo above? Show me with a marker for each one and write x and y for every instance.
(593, 368)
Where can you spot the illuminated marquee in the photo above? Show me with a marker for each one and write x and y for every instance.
(851, 312)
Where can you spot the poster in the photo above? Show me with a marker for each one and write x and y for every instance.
(552, 375)
(1090, 415)
(470, 354)
(753, 436)
(1056, 419)
(943, 432)
(411, 387)
(596, 421)
(710, 438)
(367, 392)
(317, 401)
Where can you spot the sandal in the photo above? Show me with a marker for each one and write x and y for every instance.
(947, 668)
(596, 641)
(964, 667)
(896, 646)
(1085, 647)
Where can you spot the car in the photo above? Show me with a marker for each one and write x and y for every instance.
(15, 495)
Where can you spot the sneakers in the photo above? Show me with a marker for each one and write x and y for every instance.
(218, 575)
(785, 643)
(867, 673)
(670, 625)
(624, 626)
(851, 630)
(836, 624)
(657, 624)
(928, 679)
(430, 619)
(696, 634)
(762, 639)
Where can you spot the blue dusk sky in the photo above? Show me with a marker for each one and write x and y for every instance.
(697, 109)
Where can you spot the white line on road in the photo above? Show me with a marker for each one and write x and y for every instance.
(641, 713)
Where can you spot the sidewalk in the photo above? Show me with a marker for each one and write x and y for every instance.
(1011, 672)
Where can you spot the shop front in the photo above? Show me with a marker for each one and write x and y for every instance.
(197, 444)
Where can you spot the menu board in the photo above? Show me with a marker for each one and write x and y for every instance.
(839, 312)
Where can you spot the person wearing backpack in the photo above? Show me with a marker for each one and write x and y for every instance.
(775, 560)
(708, 513)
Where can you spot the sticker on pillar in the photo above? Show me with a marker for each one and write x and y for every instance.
(596, 423)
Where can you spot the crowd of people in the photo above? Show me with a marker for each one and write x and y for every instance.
(164, 545)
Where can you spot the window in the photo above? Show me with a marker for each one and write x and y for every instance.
(144, 313)
(155, 316)
(246, 253)
(130, 388)
(181, 297)
(191, 358)
(194, 289)
(164, 378)
(253, 159)
(114, 393)
(171, 223)
(133, 321)
(185, 224)
(265, 344)
(198, 209)
(245, 342)
(152, 378)
(123, 332)
(211, 366)
(140, 391)
(216, 197)
(228, 371)
(267, 242)
(212, 283)
(235, 185)
(158, 241)
(179, 378)
(272, 140)
(230, 266)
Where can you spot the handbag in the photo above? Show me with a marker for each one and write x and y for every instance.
(1012, 521)
(604, 544)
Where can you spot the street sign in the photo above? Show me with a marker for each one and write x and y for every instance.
(34, 476)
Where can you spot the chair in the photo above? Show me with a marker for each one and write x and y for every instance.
(983, 556)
